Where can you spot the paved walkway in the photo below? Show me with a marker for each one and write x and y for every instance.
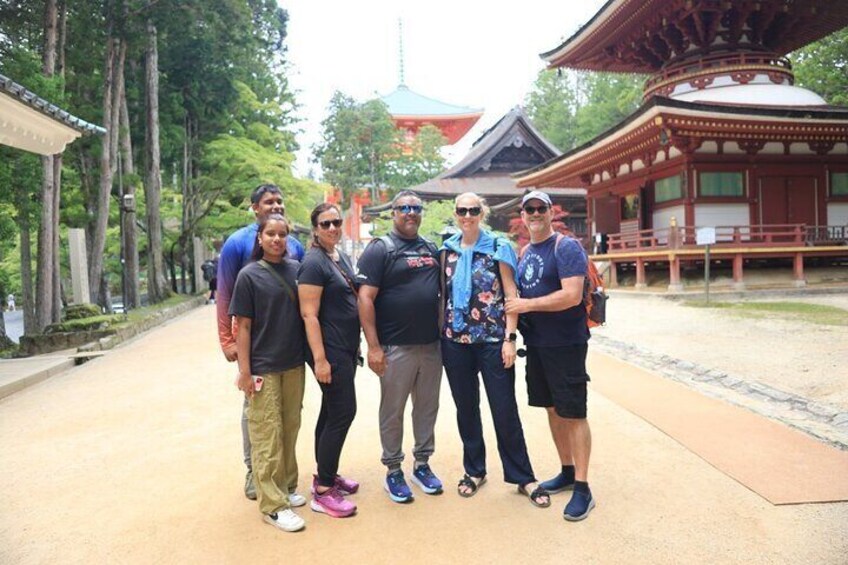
(135, 458)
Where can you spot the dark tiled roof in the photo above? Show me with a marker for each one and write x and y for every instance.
(31, 99)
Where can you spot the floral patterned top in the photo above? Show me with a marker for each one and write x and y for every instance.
(485, 320)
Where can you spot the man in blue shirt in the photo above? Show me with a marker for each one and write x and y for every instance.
(551, 273)
(266, 199)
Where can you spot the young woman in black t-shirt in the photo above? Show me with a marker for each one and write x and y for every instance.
(328, 304)
(270, 343)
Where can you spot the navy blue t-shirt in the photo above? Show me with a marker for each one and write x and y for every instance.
(539, 273)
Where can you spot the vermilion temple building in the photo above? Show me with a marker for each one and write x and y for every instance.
(411, 111)
(723, 138)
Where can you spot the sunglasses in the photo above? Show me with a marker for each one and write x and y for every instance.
(327, 223)
(473, 211)
(540, 209)
(409, 208)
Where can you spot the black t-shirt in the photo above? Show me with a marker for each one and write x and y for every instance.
(338, 315)
(277, 338)
(407, 304)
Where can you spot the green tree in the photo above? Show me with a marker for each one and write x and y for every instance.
(570, 108)
(823, 67)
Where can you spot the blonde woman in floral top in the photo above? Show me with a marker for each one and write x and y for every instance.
(479, 338)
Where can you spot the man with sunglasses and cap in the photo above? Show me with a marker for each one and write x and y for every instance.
(399, 310)
(551, 273)
(266, 199)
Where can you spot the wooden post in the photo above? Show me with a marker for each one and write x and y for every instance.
(798, 270)
(674, 284)
(640, 274)
(738, 281)
(613, 275)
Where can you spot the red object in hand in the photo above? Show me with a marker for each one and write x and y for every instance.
(257, 383)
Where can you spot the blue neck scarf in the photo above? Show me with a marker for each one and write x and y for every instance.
(499, 249)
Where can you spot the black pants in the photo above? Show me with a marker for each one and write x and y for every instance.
(338, 407)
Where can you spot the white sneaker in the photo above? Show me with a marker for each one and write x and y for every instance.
(285, 520)
(296, 499)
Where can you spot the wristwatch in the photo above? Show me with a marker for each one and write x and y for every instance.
(512, 337)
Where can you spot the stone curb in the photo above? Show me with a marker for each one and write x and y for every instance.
(31, 379)
(822, 421)
(123, 334)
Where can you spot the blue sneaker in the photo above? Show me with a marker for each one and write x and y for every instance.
(425, 479)
(397, 488)
(579, 506)
(557, 484)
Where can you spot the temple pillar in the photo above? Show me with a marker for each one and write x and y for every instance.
(613, 275)
(640, 274)
(798, 270)
(738, 280)
(674, 284)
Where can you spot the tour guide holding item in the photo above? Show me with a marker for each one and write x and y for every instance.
(266, 199)
(551, 274)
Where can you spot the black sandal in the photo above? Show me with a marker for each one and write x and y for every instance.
(536, 496)
(471, 484)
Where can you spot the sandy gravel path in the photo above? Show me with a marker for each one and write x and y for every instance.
(802, 358)
(135, 458)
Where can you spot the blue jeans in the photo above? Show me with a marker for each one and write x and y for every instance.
(462, 364)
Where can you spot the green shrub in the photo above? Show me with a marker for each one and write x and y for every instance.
(101, 322)
(77, 311)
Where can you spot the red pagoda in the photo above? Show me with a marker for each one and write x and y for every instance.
(411, 111)
(723, 139)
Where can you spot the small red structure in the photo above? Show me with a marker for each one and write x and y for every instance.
(723, 138)
(411, 111)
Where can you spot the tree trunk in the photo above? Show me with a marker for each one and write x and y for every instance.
(62, 38)
(132, 299)
(48, 59)
(98, 244)
(157, 291)
(46, 263)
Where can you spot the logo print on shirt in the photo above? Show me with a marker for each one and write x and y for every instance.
(534, 267)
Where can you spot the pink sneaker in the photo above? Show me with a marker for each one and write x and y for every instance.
(332, 502)
(345, 486)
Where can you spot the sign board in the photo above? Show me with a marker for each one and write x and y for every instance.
(705, 236)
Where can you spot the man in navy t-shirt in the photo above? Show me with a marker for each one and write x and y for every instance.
(551, 273)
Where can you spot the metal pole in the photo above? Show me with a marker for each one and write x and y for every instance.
(707, 273)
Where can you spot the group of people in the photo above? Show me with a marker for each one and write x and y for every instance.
(421, 309)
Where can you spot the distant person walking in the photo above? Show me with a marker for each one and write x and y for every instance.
(399, 310)
(265, 199)
(327, 293)
(551, 275)
(210, 275)
(270, 343)
(10, 302)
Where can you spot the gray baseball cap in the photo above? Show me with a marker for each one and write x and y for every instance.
(537, 195)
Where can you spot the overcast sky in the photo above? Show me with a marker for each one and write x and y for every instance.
(470, 53)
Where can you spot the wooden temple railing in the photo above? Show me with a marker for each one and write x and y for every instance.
(713, 62)
(766, 235)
